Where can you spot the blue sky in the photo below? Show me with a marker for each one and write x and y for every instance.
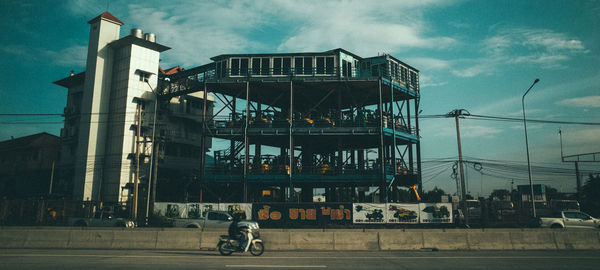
(476, 55)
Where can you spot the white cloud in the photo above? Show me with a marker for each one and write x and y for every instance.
(74, 56)
(426, 63)
(535, 46)
(17, 50)
(363, 27)
(586, 102)
(478, 131)
(427, 81)
(86, 7)
(472, 71)
(520, 46)
(198, 30)
(447, 129)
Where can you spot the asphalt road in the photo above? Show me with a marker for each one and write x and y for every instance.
(165, 259)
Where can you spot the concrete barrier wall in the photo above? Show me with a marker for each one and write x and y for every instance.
(414, 239)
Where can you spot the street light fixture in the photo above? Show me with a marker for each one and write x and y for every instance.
(527, 148)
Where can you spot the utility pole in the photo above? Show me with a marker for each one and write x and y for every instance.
(137, 160)
(456, 114)
(153, 159)
(150, 175)
(51, 178)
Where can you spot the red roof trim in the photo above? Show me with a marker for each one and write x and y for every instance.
(170, 71)
(106, 16)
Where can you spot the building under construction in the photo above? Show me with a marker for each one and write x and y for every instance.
(293, 124)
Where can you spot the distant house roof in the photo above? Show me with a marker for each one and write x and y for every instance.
(72, 80)
(108, 17)
(35, 140)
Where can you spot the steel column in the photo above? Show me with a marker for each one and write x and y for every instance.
(395, 169)
(383, 185)
(246, 146)
(291, 151)
(419, 180)
(203, 152)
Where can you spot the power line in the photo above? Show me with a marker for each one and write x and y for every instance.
(433, 116)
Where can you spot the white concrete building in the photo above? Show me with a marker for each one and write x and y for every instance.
(101, 117)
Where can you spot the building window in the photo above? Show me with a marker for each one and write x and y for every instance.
(303, 65)
(244, 66)
(239, 66)
(404, 74)
(235, 66)
(346, 68)
(298, 64)
(324, 65)
(264, 69)
(287, 66)
(308, 66)
(260, 66)
(413, 79)
(282, 65)
(255, 66)
(144, 76)
(221, 69)
(320, 65)
(277, 61)
(329, 65)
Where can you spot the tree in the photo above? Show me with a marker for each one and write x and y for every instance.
(590, 199)
(434, 195)
(553, 194)
(500, 194)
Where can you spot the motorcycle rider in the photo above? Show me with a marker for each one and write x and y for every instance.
(235, 232)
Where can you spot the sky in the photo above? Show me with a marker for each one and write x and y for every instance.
(480, 56)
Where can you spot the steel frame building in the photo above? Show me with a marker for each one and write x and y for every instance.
(304, 121)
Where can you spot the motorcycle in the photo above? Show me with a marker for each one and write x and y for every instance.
(254, 244)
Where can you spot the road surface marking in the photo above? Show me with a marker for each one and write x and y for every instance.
(276, 266)
(202, 256)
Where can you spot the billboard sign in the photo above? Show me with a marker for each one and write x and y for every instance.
(435, 212)
(402, 213)
(369, 213)
(278, 214)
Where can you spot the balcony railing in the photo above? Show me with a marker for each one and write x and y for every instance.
(182, 84)
(320, 169)
(322, 122)
(321, 73)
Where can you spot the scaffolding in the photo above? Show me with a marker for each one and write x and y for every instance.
(298, 122)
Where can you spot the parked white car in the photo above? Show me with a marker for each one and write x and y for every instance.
(101, 219)
(570, 219)
(213, 220)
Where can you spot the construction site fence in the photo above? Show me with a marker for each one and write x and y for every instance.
(42, 212)
(50, 212)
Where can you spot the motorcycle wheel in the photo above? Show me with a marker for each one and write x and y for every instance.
(257, 249)
(225, 248)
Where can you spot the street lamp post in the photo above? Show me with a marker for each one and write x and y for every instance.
(527, 148)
